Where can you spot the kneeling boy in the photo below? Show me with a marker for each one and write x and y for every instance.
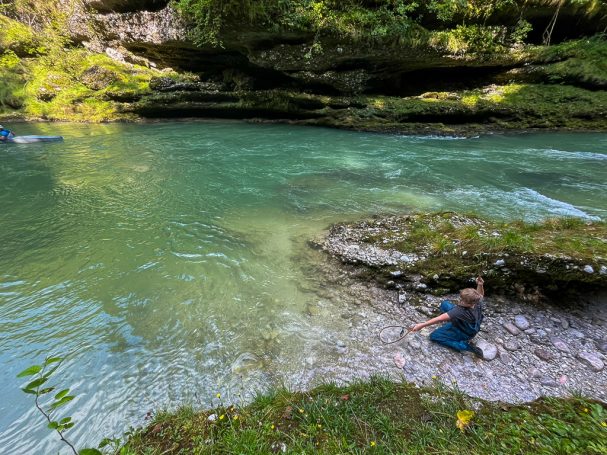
(463, 320)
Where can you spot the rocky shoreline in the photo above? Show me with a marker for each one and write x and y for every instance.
(533, 346)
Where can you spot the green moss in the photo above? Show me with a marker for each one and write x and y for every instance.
(378, 416)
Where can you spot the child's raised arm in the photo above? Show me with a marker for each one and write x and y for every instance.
(479, 285)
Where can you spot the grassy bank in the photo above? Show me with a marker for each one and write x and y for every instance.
(379, 417)
(556, 257)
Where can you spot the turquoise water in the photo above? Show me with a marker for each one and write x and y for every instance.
(169, 261)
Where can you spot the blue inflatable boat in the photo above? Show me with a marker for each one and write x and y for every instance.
(32, 139)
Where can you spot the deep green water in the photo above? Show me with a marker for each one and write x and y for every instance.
(156, 255)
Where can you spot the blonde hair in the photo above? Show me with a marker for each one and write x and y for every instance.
(470, 297)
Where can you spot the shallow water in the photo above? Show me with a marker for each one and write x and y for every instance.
(169, 261)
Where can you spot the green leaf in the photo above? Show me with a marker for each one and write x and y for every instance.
(36, 383)
(53, 425)
(65, 420)
(67, 426)
(33, 392)
(47, 390)
(62, 401)
(61, 394)
(30, 371)
(52, 360)
(89, 452)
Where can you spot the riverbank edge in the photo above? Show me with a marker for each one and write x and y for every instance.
(377, 415)
(459, 131)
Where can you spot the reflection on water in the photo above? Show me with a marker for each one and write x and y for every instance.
(170, 260)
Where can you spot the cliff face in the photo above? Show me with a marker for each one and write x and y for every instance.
(339, 81)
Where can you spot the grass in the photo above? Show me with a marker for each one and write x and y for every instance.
(449, 233)
(381, 417)
(550, 256)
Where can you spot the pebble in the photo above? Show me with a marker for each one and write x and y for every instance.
(560, 344)
(505, 358)
(603, 270)
(396, 274)
(592, 360)
(511, 328)
(500, 262)
(212, 418)
(565, 324)
(535, 373)
(530, 331)
(425, 311)
(489, 350)
(588, 269)
(402, 298)
(576, 334)
(548, 382)
(603, 346)
(521, 322)
(543, 354)
(414, 344)
(512, 345)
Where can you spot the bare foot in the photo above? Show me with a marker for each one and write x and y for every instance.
(399, 361)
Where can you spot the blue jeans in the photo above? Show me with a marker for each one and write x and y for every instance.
(451, 336)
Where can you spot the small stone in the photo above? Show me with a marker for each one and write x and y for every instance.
(421, 286)
(592, 360)
(505, 358)
(603, 270)
(535, 373)
(521, 322)
(565, 323)
(402, 298)
(560, 344)
(588, 269)
(576, 334)
(530, 331)
(414, 344)
(212, 418)
(489, 350)
(603, 346)
(396, 274)
(548, 382)
(563, 379)
(543, 354)
(435, 277)
(500, 263)
(425, 311)
(511, 328)
(512, 345)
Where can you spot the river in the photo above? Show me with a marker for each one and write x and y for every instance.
(168, 262)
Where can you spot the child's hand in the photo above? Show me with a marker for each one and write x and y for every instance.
(417, 327)
(480, 281)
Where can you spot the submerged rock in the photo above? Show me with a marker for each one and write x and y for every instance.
(244, 362)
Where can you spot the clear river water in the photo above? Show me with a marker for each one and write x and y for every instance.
(168, 262)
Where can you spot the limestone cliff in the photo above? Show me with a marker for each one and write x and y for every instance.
(380, 84)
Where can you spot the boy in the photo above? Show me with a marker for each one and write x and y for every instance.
(463, 321)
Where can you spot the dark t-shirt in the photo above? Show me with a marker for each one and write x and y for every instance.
(467, 319)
